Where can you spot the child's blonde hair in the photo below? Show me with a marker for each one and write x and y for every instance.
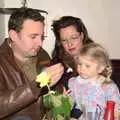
(98, 53)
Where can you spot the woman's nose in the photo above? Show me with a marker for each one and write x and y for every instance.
(69, 42)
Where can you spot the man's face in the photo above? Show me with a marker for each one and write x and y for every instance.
(29, 40)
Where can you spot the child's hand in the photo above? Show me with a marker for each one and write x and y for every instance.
(66, 92)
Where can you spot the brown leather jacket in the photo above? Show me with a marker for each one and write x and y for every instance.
(18, 95)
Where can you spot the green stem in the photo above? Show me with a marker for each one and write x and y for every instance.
(48, 88)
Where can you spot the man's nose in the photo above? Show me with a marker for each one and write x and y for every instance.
(39, 41)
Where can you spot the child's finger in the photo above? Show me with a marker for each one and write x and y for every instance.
(66, 92)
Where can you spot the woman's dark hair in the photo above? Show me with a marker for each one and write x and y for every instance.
(64, 22)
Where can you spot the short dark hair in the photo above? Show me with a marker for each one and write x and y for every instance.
(18, 17)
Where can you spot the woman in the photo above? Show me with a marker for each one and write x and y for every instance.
(70, 34)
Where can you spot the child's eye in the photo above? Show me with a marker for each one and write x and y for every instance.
(87, 66)
(79, 65)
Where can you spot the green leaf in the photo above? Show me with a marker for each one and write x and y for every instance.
(59, 104)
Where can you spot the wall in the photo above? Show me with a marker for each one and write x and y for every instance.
(2, 26)
(101, 17)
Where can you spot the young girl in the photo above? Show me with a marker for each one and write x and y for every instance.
(93, 87)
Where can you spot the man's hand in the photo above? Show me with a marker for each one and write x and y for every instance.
(55, 72)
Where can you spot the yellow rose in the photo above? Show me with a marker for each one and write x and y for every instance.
(43, 78)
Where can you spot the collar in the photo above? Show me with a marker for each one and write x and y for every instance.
(93, 81)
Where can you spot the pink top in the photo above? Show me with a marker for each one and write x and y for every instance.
(92, 95)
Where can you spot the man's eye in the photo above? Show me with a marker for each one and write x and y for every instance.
(43, 37)
(33, 37)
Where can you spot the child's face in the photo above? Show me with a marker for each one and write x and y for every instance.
(88, 68)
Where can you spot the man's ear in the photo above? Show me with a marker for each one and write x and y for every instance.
(13, 35)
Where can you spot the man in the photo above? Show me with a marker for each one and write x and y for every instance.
(20, 62)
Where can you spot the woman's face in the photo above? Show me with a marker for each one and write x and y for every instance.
(71, 40)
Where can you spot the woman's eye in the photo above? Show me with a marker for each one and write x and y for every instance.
(74, 38)
(63, 41)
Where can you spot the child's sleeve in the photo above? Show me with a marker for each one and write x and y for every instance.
(71, 86)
